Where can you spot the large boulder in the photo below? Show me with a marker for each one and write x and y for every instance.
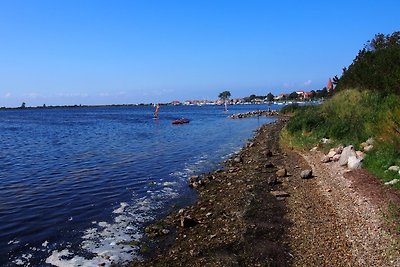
(346, 153)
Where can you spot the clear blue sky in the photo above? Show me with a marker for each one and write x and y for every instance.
(103, 52)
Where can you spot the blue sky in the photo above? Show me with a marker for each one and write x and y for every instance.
(114, 52)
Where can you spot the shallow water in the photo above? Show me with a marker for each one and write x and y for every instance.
(76, 183)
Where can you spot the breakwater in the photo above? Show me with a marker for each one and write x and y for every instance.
(254, 113)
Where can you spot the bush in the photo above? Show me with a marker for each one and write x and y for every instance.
(290, 109)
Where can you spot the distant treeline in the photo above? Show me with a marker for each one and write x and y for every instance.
(23, 106)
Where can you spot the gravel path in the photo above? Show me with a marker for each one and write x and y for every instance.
(347, 224)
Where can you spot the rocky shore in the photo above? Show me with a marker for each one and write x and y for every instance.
(277, 207)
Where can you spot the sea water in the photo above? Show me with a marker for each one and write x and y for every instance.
(78, 185)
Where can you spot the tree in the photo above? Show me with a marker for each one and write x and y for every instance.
(376, 67)
(23, 105)
(293, 96)
(224, 95)
(270, 97)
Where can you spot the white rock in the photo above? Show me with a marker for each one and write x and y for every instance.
(394, 181)
(394, 168)
(347, 152)
(354, 163)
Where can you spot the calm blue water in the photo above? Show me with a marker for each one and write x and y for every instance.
(76, 183)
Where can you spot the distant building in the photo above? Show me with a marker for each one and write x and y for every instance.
(307, 95)
(329, 87)
(281, 97)
(175, 103)
(237, 100)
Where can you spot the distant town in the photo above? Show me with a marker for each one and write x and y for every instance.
(224, 97)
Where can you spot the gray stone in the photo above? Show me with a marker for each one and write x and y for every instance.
(354, 163)
(237, 160)
(305, 174)
(347, 152)
(281, 172)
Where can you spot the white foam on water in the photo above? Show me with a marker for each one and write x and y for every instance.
(121, 208)
(24, 260)
(13, 242)
(57, 259)
(169, 183)
(115, 242)
(18, 262)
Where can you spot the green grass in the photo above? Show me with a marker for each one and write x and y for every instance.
(351, 117)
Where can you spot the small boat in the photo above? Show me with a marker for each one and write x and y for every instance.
(180, 121)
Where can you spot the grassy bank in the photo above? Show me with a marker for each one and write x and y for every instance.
(351, 117)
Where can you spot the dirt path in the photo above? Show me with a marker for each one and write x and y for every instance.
(328, 220)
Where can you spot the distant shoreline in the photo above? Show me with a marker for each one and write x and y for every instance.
(150, 105)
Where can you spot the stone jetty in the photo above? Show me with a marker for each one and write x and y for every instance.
(254, 113)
